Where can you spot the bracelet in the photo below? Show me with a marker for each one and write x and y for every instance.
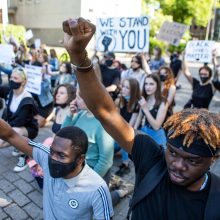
(81, 68)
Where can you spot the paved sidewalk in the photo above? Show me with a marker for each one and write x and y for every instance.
(20, 196)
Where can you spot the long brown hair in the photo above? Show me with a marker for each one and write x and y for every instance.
(168, 82)
(135, 95)
(158, 95)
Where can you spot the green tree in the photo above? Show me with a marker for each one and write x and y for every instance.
(185, 11)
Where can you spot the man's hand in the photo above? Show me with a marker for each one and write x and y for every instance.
(78, 33)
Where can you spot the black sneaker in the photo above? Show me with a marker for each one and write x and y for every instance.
(123, 169)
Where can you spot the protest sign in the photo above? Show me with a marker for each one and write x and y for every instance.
(172, 32)
(34, 77)
(123, 34)
(7, 54)
(37, 43)
(199, 50)
(28, 35)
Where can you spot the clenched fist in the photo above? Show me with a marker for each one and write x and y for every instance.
(78, 33)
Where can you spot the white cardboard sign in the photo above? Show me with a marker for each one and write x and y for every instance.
(6, 53)
(122, 34)
(199, 51)
(28, 35)
(34, 77)
(37, 43)
(172, 32)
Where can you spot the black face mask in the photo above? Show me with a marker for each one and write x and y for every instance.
(108, 62)
(58, 169)
(163, 78)
(135, 69)
(61, 105)
(204, 79)
(14, 85)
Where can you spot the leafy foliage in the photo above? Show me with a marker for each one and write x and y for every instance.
(17, 31)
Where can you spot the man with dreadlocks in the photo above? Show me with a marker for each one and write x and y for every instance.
(184, 189)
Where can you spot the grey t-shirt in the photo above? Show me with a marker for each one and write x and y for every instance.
(83, 197)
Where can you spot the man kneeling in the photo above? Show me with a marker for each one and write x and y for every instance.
(72, 190)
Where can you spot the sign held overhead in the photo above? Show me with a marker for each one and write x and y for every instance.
(199, 51)
(172, 32)
(123, 34)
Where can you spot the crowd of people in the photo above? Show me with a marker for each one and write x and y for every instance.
(99, 109)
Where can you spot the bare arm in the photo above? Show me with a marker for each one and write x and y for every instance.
(77, 35)
(186, 72)
(171, 94)
(138, 120)
(161, 114)
(18, 141)
(133, 119)
(145, 65)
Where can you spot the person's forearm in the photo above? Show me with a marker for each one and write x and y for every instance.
(153, 122)
(16, 140)
(111, 88)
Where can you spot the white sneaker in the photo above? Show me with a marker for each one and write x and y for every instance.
(16, 152)
(21, 165)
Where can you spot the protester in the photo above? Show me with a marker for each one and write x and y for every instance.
(84, 194)
(203, 89)
(193, 141)
(168, 87)
(63, 95)
(46, 67)
(153, 107)
(66, 75)
(128, 107)
(101, 146)
(136, 71)
(44, 102)
(20, 111)
(176, 66)
(23, 57)
(110, 75)
(157, 61)
(53, 60)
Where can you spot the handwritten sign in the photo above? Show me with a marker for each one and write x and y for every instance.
(172, 32)
(34, 77)
(199, 50)
(6, 53)
(123, 34)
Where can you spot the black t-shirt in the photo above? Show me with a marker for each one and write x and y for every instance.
(201, 95)
(109, 76)
(127, 115)
(167, 201)
(176, 65)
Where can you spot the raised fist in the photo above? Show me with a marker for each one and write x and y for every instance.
(78, 33)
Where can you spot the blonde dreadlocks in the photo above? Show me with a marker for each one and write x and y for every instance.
(195, 124)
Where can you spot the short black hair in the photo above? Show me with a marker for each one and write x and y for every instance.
(77, 136)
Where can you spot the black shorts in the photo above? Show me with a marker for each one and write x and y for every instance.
(32, 132)
(45, 111)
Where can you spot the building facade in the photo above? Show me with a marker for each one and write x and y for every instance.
(44, 17)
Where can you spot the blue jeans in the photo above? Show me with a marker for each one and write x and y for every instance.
(123, 152)
(158, 136)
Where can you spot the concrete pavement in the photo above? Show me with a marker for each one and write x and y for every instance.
(20, 196)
